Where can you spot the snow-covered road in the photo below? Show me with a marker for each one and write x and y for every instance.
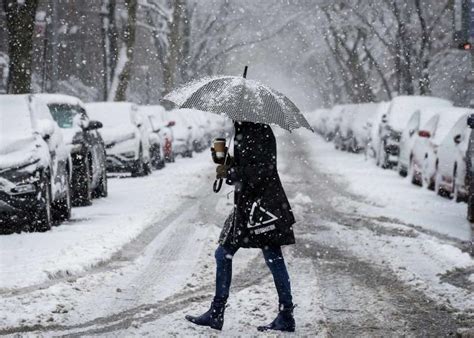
(374, 256)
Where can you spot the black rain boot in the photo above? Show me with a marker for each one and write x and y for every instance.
(214, 317)
(283, 322)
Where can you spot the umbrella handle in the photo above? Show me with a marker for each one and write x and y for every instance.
(217, 185)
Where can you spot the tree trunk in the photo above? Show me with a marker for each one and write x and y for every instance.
(20, 24)
(129, 44)
(175, 47)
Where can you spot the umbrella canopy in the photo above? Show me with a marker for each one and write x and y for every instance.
(240, 100)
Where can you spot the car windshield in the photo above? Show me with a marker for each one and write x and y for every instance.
(63, 114)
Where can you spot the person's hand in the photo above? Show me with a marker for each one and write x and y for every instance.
(221, 171)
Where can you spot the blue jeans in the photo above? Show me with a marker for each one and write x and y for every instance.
(275, 262)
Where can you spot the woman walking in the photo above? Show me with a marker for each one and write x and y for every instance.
(262, 218)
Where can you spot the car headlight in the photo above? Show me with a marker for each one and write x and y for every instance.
(24, 189)
(128, 154)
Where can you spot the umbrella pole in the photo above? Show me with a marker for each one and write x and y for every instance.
(245, 71)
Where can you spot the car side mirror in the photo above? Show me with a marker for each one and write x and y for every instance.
(457, 138)
(470, 121)
(171, 123)
(93, 125)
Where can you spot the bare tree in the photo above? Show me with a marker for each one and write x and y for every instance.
(123, 66)
(20, 17)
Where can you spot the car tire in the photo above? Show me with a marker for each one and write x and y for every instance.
(81, 183)
(139, 165)
(470, 207)
(402, 172)
(438, 189)
(383, 161)
(62, 209)
(102, 190)
(413, 178)
(42, 217)
(456, 196)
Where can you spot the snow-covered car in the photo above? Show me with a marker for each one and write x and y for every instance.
(182, 132)
(35, 166)
(373, 124)
(409, 136)
(424, 158)
(161, 125)
(333, 122)
(154, 120)
(452, 167)
(81, 136)
(343, 132)
(392, 124)
(318, 120)
(199, 128)
(354, 133)
(126, 136)
(470, 169)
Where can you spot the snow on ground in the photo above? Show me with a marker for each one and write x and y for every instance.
(395, 225)
(96, 232)
(389, 195)
(173, 273)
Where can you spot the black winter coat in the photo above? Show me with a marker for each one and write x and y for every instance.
(262, 215)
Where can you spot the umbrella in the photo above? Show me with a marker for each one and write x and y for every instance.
(239, 99)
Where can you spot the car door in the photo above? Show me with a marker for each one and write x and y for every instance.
(94, 146)
(407, 139)
(60, 157)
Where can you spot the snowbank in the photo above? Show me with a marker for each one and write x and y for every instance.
(390, 195)
(95, 233)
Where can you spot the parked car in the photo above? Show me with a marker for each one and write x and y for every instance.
(126, 136)
(343, 132)
(373, 125)
(354, 132)
(451, 172)
(89, 175)
(333, 122)
(318, 119)
(409, 136)
(392, 124)
(470, 169)
(424, 159)
(197, 125)
(157, 155)
(182, 133)
(161, 125)
(35, 166)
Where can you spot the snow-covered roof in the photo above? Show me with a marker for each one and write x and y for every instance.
(402, 108)
(111, 114)
(59, 99)
(447, 119)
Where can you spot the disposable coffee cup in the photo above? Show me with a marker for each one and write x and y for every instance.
(219, 147)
